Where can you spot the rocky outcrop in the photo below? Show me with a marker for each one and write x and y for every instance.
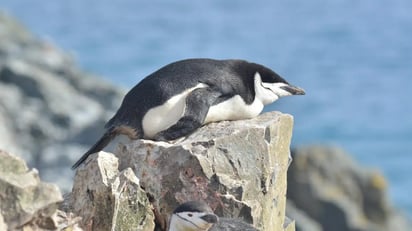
(26, 203)
(108, 199)
(50, 111)
(238, 168)
(328, 191)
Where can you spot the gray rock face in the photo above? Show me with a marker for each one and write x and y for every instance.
(227, 224)
(50, 111)
(334, 193)
(238, 168)
(26, 203)
(107, 199)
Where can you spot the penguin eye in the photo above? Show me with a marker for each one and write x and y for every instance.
(190, 215)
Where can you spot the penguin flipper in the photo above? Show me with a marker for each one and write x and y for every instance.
(197, 107)
(98, 146)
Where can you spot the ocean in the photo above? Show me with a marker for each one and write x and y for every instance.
(353, 58)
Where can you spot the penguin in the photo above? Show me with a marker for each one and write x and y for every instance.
(198, 216)
(182, 96)
(192, 216)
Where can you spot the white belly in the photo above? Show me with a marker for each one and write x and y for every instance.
(163, 116)
(234, 109)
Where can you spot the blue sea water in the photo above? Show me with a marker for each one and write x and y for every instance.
(353, 58)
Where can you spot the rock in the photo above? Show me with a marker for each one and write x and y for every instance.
(333, 191)
(229, 224)
(50, 111)
(26, 203)
(108, 199)
(237, 167)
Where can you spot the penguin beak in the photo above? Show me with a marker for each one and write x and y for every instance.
(210, 218)
(293, 90)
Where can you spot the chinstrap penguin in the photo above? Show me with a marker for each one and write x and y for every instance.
(198, 216)
(192, 216)
(182, 96)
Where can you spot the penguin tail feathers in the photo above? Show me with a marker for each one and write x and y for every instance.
(108, 136)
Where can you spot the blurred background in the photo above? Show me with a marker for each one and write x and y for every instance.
(353, 58)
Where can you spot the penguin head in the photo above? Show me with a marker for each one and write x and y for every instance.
(192, 216)
(269, 86)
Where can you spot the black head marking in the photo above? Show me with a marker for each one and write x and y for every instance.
(193, 206)
(267, 75)
(248, 70)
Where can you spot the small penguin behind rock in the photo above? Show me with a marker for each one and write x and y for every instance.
(182, 96)
(198, 216)
(192, 216)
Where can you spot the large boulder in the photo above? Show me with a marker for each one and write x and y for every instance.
(330, 191)
(237, 167)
